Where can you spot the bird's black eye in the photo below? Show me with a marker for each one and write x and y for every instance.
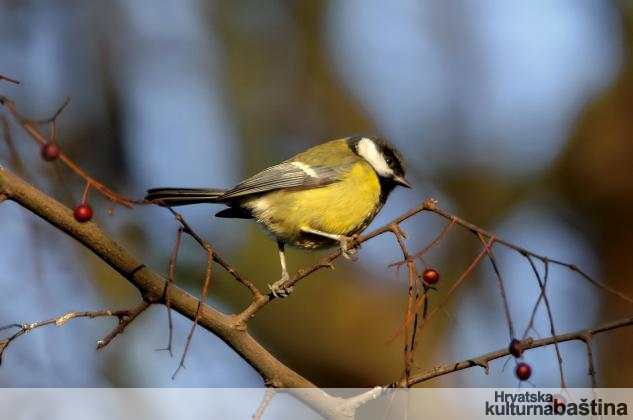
(389, 161)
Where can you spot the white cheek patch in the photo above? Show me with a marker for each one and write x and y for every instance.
(306, 169)
(368, 150)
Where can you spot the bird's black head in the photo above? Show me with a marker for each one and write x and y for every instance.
(383, 157)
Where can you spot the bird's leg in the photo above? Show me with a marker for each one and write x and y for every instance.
(276, 288)
(349, 245)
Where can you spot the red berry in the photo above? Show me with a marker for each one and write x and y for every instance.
(83, 213)
(523, 371)
(50, 152)
(430, 276)
(515, 348)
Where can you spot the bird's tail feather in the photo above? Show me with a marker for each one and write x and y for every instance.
(183, 196)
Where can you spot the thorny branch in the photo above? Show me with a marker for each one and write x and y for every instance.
(29, 126)
(582, 335)
(233, 328)
(125, 317)
(483, 361)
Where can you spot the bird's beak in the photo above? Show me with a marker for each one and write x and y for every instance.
(400, 180)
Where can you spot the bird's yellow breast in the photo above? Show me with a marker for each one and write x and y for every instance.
(344, 207)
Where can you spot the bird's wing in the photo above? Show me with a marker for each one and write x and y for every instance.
(286, 175)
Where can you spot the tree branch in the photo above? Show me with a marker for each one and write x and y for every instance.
(582, 335)
(585, 336)
(125, 318)
(151, 286)
(28, 126)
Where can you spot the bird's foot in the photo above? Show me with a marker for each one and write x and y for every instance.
(276, 288)
(349, 247)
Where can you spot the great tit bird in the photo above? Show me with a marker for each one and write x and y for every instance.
(316, 199)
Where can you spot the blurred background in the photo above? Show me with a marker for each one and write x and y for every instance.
(515, 115)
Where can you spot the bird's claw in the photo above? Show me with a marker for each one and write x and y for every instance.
(278, 291)
(349, 247)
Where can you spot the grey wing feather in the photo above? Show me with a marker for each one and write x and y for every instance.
(285, 175)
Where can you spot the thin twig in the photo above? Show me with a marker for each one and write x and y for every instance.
(550, 317)
(413, 307)
(591, 369)
(170, 284)
(411, 313)
(203, 299)
(124, 321)
(400, 236)
(523, 251)
(420, 254)
(268, 396)
(416, 276)
(412, 298)
(84, 196)
(124, 316)
(53, 117)
(502, 289)
(39, 138)
(225, 265)
(8, 79)
(530, 324)
(456, 285)
(581, 335)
